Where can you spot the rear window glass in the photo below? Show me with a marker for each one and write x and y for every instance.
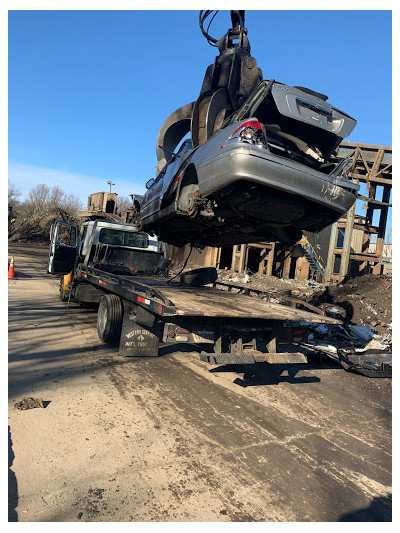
(123, 238)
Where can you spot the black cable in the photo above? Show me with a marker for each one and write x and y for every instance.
(211, 40)
(209, 24)
(184, 264)
(46, 321)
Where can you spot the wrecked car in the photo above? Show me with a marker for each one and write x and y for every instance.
(265, 175)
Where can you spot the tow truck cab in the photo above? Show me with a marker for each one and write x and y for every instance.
(110, 246)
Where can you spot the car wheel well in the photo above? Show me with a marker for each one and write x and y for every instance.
(190, 176)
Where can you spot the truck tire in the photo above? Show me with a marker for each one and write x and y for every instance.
(199, 276)
(109, 319)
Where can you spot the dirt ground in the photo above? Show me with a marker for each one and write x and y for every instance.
(170, 439)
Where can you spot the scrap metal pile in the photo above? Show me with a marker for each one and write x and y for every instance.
(259, 164)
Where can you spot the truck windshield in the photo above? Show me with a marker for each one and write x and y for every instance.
(123, 238)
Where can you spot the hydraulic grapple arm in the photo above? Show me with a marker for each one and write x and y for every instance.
(226, 85)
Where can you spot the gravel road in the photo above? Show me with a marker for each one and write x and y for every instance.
(170, 439)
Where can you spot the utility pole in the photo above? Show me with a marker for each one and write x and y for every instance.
(110, 183)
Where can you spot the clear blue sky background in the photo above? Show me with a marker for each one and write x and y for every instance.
(89, 90)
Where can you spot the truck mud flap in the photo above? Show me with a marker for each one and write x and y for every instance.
(136, 340)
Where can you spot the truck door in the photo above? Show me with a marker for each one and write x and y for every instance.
(63, 247)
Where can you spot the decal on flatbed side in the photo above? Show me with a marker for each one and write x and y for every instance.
(139, 333)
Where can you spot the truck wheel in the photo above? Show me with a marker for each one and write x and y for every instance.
(109, 319)
(199, 276)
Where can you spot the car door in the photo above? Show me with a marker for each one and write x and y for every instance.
(156, 188)
(174, 166)
(63, 248)
(151, 199)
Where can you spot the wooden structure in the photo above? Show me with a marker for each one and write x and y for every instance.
(372, 166)
(101, 205)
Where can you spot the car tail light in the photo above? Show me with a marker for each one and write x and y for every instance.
(248, 132)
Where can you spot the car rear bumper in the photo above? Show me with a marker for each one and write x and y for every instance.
(259, 166)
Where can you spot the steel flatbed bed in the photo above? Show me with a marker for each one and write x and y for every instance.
(159, 309)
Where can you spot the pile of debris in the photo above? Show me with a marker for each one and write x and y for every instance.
(36, 228)
(282, 287)
(363, 300)
(356, 348)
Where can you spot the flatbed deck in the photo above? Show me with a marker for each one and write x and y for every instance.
(185, 300)
(208, 301)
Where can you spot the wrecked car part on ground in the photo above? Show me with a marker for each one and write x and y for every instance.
(258, 166)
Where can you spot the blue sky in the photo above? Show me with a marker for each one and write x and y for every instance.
(89, 90)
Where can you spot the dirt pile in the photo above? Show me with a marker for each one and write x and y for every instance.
(363, 300)
(36, 228)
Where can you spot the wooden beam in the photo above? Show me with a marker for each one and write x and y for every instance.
(345, 256)
(331, 256)
(270, 263)
(364, 257)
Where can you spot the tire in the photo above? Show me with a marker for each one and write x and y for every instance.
(109, 319)
(199, 276)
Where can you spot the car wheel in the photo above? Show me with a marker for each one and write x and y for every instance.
(186, 198)
(199, 276)
(109, 319)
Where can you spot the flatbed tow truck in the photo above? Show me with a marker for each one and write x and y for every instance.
(141, 307)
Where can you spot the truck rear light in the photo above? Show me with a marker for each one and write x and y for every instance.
(299, 335)
(171, 334)
(179, 331)
(248, 132)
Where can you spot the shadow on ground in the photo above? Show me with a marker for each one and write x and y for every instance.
(380, 510)
(12, 483)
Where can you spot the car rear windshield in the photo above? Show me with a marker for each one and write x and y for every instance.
(123, 238)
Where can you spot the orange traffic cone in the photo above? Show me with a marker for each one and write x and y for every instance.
(11, 270)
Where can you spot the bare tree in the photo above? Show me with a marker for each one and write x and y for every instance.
(43, 198)
(13, 196)
(38, 198)
(124, 203)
